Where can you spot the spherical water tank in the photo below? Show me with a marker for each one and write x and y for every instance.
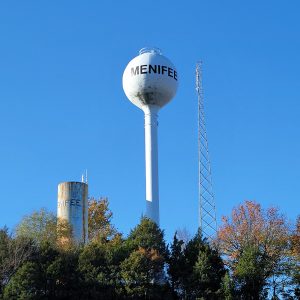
(150, 79)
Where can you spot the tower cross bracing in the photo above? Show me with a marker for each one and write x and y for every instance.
(207, 208)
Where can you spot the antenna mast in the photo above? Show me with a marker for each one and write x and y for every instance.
(207, 208)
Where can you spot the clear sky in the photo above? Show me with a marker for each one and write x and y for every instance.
(63, 109)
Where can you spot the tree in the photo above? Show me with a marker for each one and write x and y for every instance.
(48, 274)
(25, 284)
(196, 271)
(294, 265)
(40, 226)
(99, 219)
(249, 273)
(148, 235)
(227, 287)
(143, 271)
(64, 235)
(99, 265)
(62, 276)
(176, 265)
(92, 267)
(5, 240)
(13, 253)
(43, 227)
(254, 243)
(208, 274)
(204, 270)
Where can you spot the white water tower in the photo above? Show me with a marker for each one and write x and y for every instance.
(150, 81)
(72, 206)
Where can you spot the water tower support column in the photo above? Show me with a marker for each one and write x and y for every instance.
(151, 158)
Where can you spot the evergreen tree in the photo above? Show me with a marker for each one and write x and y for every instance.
(208, 273)
(196, 271)
(26, 284)
(227, 287)
(176, 266)
(204, 270)
(93, 270)
(48, 274)
(143, 271)
(148, 236)
(99, 266)
(5, 240)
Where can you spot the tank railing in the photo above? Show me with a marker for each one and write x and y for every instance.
(150, 50)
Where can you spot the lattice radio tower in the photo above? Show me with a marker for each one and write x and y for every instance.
(207, 208)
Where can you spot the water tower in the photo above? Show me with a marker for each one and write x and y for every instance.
(72, 206)
(150, 81)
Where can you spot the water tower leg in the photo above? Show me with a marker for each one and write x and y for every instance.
(151, 157)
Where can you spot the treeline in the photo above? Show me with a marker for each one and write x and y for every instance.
(256, 255)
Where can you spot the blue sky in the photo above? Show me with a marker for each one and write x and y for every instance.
(63, 109)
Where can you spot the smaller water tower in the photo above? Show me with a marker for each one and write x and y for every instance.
(72, 206)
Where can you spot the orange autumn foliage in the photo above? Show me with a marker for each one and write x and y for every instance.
(295, 241)
(250, 225)
(151, 254)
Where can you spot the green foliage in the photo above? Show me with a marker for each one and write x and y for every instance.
(227, 287)
(13, 253)
(5, 241)
(254, 243)
(148, 235)
(197, 270)
(40, 226)
(250, 273)
(138, 271)
(176, 265)
(208, 273)
(63, 276)
(26, 284)
(99, 266)
(205, 270)
(143, 271)
(49, 274)
(40, 264)
(295, 257)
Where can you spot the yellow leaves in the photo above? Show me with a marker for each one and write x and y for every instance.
(99, 219)
(64, 234)
(151, 254)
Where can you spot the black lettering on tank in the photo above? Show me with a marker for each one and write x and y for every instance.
(154, 69)
(175, 75)
(143, 69)
(135, 71)
(163, 69)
